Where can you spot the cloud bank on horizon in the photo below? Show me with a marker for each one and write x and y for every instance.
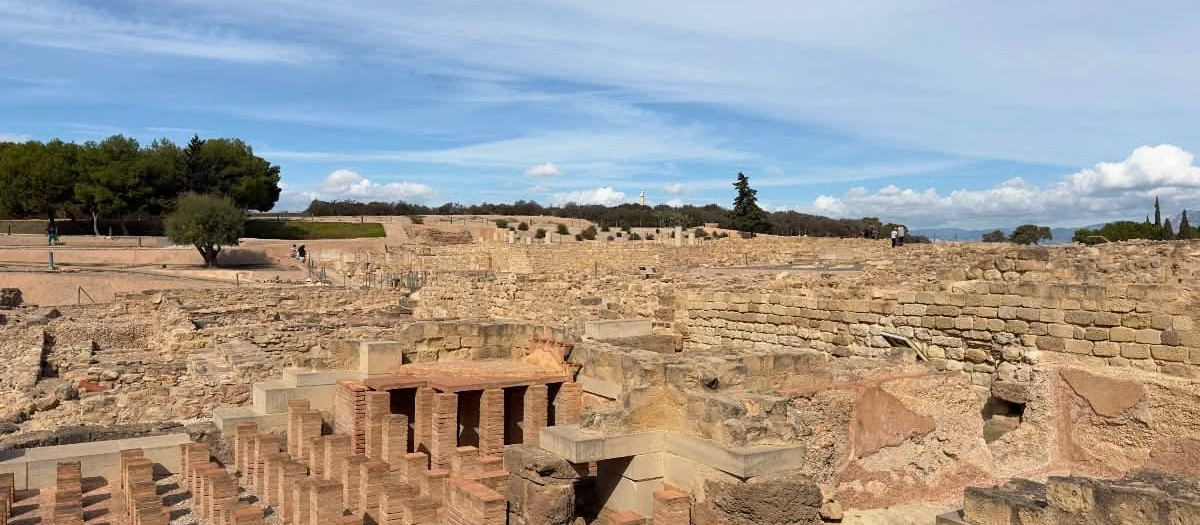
(931, 112)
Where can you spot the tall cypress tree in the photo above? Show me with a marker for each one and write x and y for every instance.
(1157, 214)
(1185, 229)
(746, 215)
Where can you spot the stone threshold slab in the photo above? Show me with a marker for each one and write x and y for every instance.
(584, 446)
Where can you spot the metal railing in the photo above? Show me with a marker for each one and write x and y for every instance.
(80, 293)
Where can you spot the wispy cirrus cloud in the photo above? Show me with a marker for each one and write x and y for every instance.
(85, 27)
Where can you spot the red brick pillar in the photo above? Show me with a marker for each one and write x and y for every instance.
(247, 515)
(433, 485)
(413, 468)
(296, 407)
(316, 456)
(263, 444)
(496, 480)
(222, 492)
(494, 509)
(325, 502)
(243, 447)
(309, 427)
(272, 477)
(293, 473)
(392, 501)
(126, 456)
(349, 470)
(395, 440)
(465, 463)
(536, 407)
(301, 502)
(8, 495)
(141, 497)
(371, 477)
(350, 412)
(491, 422)
(568, 404)
(445, 430)
(672, 507)
(423, 426)
(68, 494)
(378, 407)
(195, 455)
(337, 447)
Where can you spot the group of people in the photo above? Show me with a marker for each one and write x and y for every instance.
(898, 235)
(300, 253)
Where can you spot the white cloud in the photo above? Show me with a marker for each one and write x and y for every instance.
(674, 188)
(12, 137)
(1107, 191)
(292, 199)
(348, 184)
(674, 202)
(606, 196)
(543, 170)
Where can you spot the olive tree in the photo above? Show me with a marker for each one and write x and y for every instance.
(206, 222)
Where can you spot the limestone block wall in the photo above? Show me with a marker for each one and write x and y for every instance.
(1143, 497)
(989, 329)
(568, 300)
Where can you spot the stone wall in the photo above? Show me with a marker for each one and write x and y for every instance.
(1144, 497)
(990, 329)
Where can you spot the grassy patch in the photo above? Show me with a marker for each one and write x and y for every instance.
(303, 230)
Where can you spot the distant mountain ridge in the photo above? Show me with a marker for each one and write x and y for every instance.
(1059, 235)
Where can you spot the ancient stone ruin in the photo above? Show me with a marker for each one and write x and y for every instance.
(764, 381)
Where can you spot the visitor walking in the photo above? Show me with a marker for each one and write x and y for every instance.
(293, 253)
(895, 238)
(901, 232)
(302, 253)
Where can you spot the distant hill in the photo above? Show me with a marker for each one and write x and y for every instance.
(1060, 235)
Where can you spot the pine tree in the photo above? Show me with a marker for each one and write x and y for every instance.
(1167, 232)
(1185, 229)
(746, 215)
(1157, 214)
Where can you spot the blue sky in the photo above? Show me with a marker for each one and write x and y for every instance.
(972, 114)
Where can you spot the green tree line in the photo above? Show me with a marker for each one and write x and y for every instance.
(745, 215)
(119, 179)
(1159, 229)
